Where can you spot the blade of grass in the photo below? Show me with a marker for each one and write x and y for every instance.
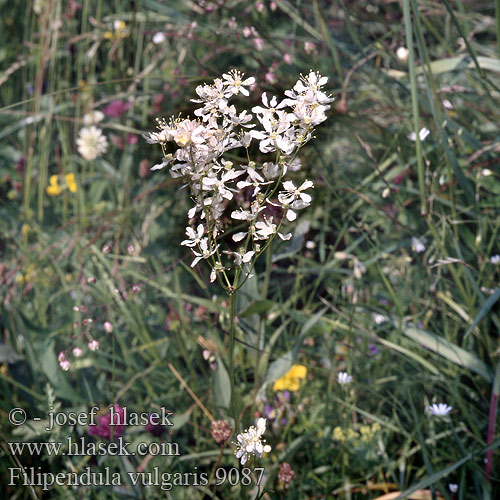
(488, 304)
(447, 470)
(414, 103)
(450, 351)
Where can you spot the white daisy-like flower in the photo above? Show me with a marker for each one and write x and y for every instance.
(453, 487)
(424, 132)
(439, 409)
(344, 378)
(91, 143)
(418, 245)
(495, 259)
(250, 442)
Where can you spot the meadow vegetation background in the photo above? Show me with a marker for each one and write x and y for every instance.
(392, 274)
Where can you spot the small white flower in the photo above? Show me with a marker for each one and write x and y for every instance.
(418, 245)
(402, 54)
(453, 487)
(250, 442)
(344, 378)
(91, 143)
(108, 327)
(294, 198)
(234, 82)
(379, 318)
(205, 252)
(158, 38)
(440, 410)
(447, 104)
(194, 237)
(424, 132)
(495, 259)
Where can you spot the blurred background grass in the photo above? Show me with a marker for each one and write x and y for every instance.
(352, 291)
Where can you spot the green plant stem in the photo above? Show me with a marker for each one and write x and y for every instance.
(414, 103)
(232, 329)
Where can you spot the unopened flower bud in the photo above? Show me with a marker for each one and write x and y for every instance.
(220, 430)
(309, 47)
(258, 43)
(108, 327)
(93, 345)
(65, 365)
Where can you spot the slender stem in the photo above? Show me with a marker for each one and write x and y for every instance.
(414, 103)
(232, 329)
(491, 423)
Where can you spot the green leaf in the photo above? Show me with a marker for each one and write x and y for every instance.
(488, 304)
(7, 354)
(50, 367)
(279, 367)
(450, 351)
(222, 386)
(444, 472)
(257, 307)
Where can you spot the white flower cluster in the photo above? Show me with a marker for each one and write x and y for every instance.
(250, 442)
(282, 128)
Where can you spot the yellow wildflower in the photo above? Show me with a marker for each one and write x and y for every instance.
(70, 182)
(291, 380)
(365, 429)
(119, 31)
(352, 434)
(338, 434)
(54, 189)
